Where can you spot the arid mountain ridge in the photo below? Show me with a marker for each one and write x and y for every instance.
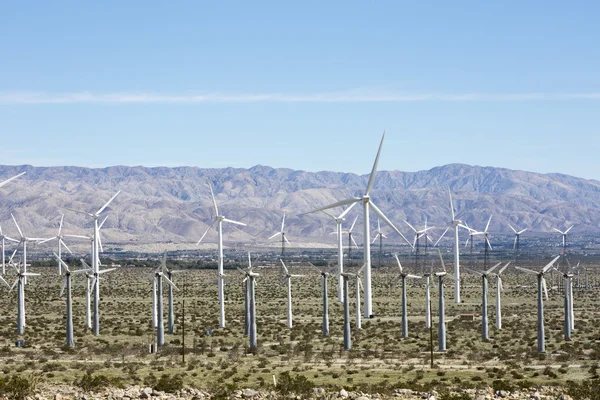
(173, 204)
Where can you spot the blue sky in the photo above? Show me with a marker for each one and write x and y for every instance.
(308, 85)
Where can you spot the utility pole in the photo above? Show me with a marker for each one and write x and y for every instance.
(183, 326)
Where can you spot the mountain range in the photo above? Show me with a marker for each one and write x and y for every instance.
(160, 205)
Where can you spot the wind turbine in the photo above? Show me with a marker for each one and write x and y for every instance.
(541, 284)
(158, 278)
(516, 242)
(351, 240)
(454, 223)
(96, 244)
(287, 279)
(339, 220)
(368, 205)
(419, 233)
(219, 219)
(4, 238)
(59, 238)
(379, 236)
(442, 307)
(282, 233)
(347, 332)
(403, 276)
(20, 284)
(250, 276)
(23, 241)
(568, 325)
(324, 275)
(499, 288)
(487, 244)
(70, 342)
(564, 236)
(484, 293)
(89, 274)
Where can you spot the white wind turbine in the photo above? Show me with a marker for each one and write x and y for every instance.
(23, 241)
(287, 279)
(20, 284)
(517, 236)
(368, 205)
(219, 219)
(324, 272)
(89, 275)
(347, 331)
(351, 240)
(403, 276)
(484, 294)
(59, 238)
(96, 245)
(568, 301)
(70, 341)
(441, 305)
(158, 277)
(250, 306)
(541, 286)
(171, 307)
(454, 223)
(4, 239)
(380, 235)
(564, 235)
(499, 288)
(420, 233)
(284, 240)
(339, 221)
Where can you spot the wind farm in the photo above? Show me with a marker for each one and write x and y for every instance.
(286, 201)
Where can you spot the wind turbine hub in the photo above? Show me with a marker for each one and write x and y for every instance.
(366, 198)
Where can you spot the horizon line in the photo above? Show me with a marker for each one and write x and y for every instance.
(85, 97)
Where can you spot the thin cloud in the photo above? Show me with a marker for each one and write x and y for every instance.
(33, 98)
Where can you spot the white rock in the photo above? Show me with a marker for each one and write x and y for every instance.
(343, 393)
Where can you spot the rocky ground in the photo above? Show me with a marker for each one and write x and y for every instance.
(137, 392)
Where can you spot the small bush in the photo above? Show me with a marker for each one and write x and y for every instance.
(17, 387)
(168, 383)
(93, 383)
(298, 384)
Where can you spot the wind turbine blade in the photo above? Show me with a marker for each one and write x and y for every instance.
(523, 230)
(567, 231)
(17, 225)
(13, 285)
(100, 243)
(387, 221)
(490, 270)
(284, 267)
(441, 260)
(62, 217)
(549, 265)
(334, 205)
(233, 222)
(47, 240)
(528, 271)
(78, 211)
(286, 240)
(467, 242)
(371, 181)
(472, 271)
(513, 229)
(515, 243)
(413, 276)
(277, 234)
(212, 195)
(378, 226)
(559, 231)
(440, 238)
(503, 268)
(545, 287)
(451, 205)
(84, 264)
(488, 242)
(352, 226)
(411, 227)
(249, 261)
(375, 238)
(4, 281)
(107, 203)
(63, 286)
(354, 241)
(360, 270)
(346, 211)
(500, 284)
(488, 224)
(207, 229)
(415, 241)
(283, 222)
(297, 276)
(79, 237)
(64, 264)
(106, 270)
(11, 179)
(169, 282)
(102, 223)
(398, 261)
(30, 273)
